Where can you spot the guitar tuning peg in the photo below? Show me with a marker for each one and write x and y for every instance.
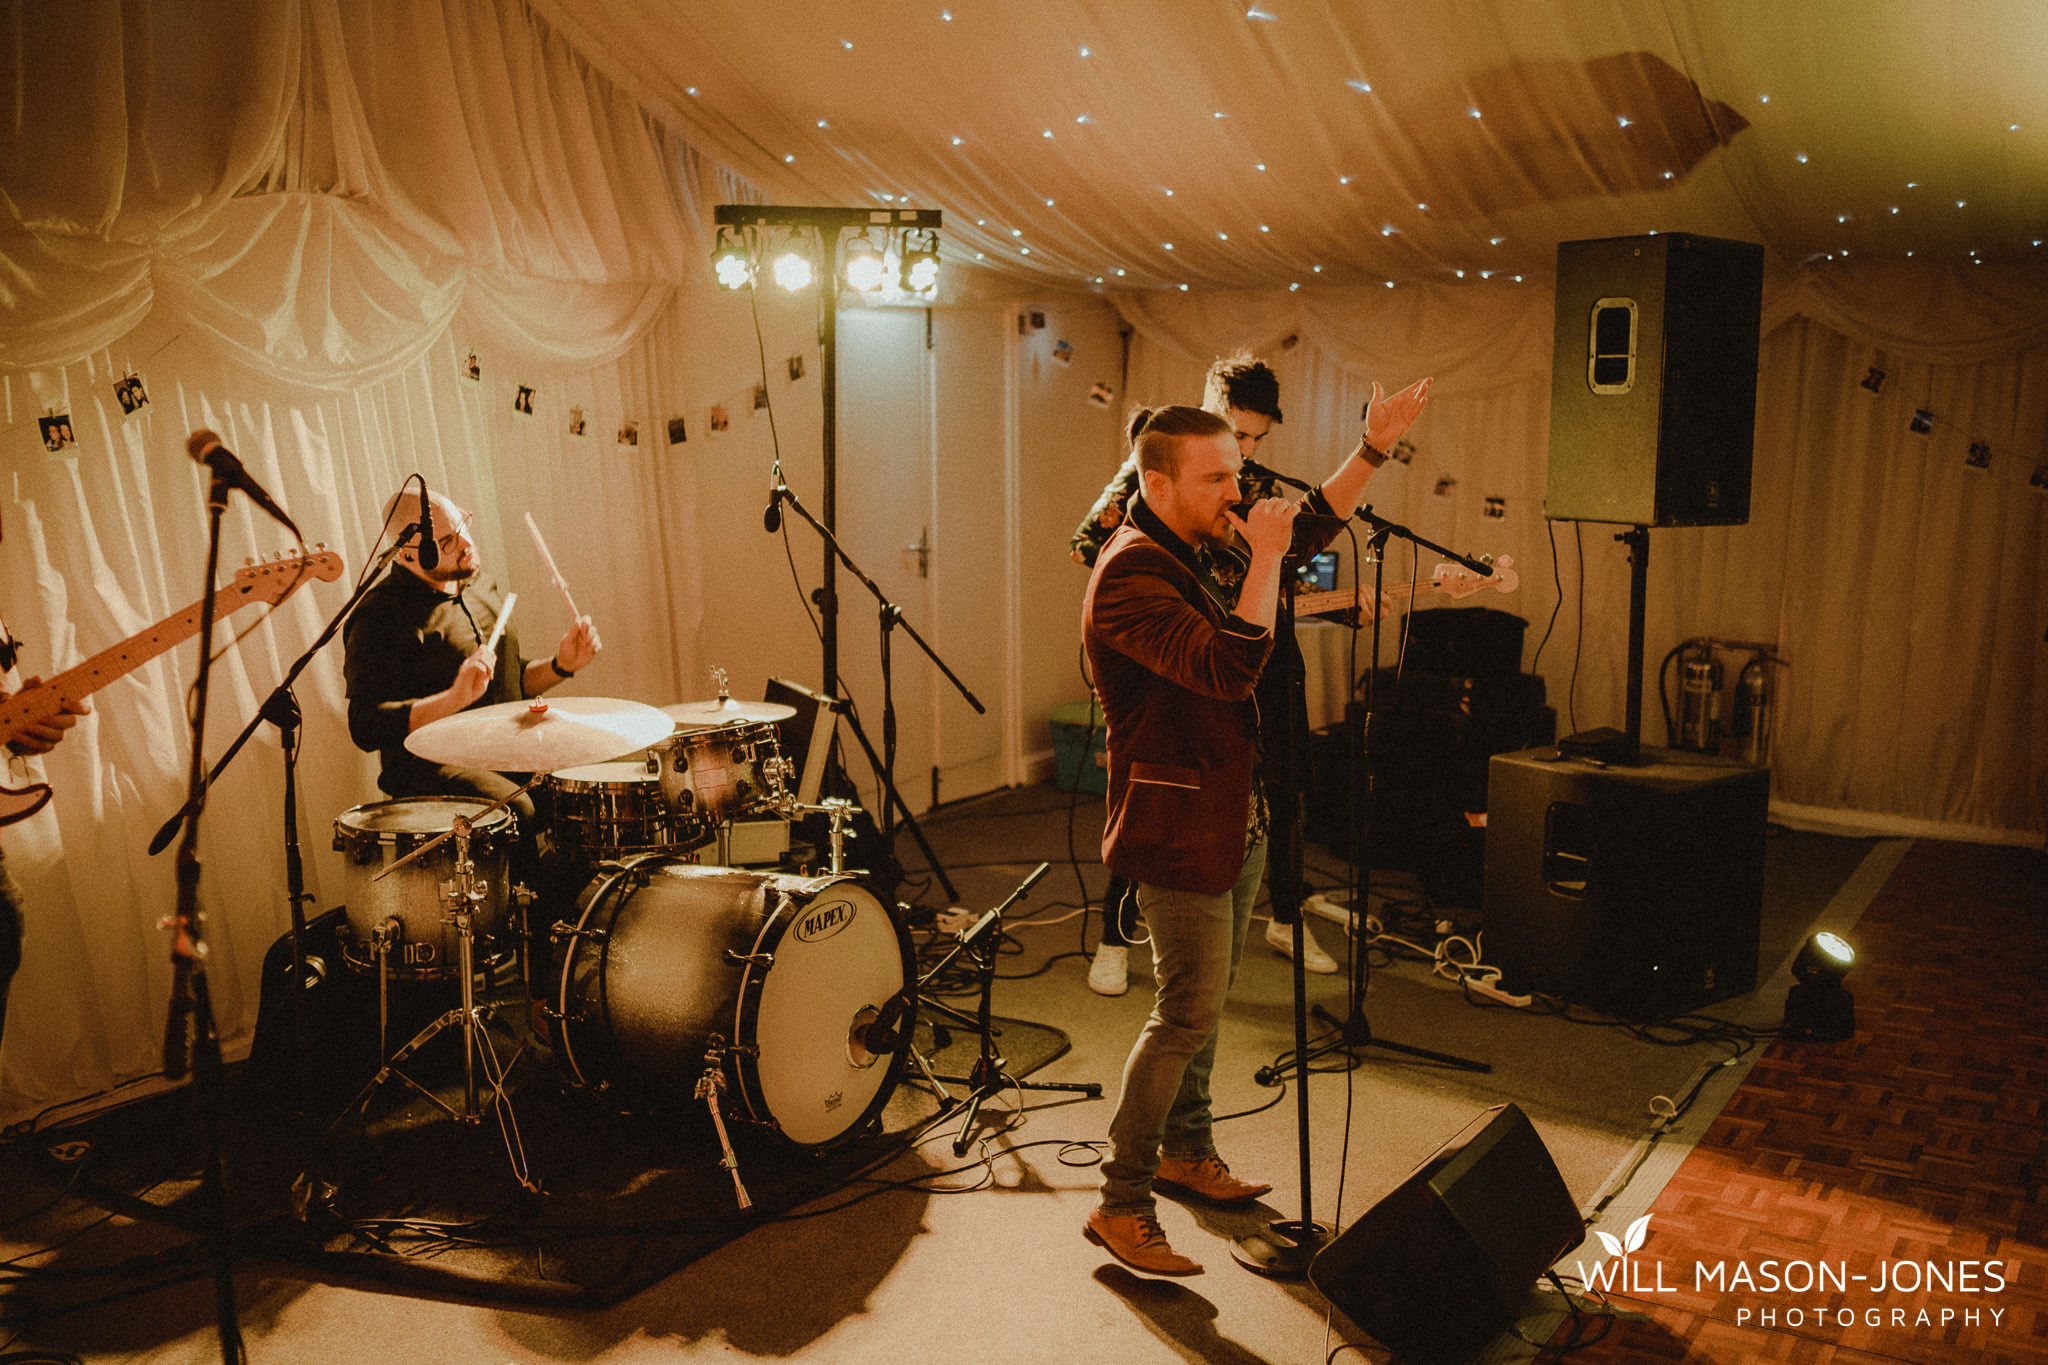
(248, 563)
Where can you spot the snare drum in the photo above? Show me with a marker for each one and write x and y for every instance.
(802, 988)
(718, 774)
(409, 901)
(607, 812)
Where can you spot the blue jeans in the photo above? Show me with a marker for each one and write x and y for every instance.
(1196, 943)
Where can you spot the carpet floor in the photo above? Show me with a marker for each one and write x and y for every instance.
(979, 1258)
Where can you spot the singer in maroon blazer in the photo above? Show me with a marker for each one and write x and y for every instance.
(1175, 668)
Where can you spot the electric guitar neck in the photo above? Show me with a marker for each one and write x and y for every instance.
(270, 581)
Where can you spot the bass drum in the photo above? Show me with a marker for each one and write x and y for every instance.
(804, 987)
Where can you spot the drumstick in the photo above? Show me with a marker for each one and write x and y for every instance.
(549, 560)
(504, 615)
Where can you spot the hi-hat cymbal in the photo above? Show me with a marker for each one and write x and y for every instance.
(540, 736)
(725, 709)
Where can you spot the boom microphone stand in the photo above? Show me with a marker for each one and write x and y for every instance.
(1355, 1030)
(990, 1076)
(891, 618)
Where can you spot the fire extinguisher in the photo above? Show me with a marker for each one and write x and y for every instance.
(1699, 701)
(1753, 707)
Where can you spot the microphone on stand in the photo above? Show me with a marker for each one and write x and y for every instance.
(1270, 475)
(771, 520)
(430, 549)
(204, 447)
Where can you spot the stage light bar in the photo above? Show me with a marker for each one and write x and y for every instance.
(920, 257)
(865, 269)
(793, 269)
(732, 261)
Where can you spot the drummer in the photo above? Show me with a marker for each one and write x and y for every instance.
(413, 654)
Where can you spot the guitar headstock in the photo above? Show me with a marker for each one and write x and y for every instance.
(1455, 580)
(275, 579)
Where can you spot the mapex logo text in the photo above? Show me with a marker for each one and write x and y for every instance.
(1624, 1273)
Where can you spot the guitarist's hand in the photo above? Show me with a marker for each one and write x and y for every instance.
(41, 735)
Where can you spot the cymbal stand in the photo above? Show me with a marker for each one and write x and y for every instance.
(463, 894)
(990, 1076)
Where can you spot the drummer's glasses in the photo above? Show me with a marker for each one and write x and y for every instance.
(450, 541)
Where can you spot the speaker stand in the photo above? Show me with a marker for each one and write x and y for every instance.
(1623, 748)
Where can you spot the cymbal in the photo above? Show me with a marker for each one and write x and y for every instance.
(539, 735)
(703, 714)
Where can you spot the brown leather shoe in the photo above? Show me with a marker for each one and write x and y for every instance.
(1207, 1178)
(1139, 1242)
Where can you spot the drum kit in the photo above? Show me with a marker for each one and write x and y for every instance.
(772, 998)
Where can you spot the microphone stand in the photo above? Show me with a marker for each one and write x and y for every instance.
(1355, 1030)
(190, 1040)
(989, 1076)
(281, 708)
(885, 768)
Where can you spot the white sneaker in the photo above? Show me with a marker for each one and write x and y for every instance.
(1280, 937)
(1109, 973)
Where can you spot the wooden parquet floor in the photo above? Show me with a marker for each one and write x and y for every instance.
(1909, 1161)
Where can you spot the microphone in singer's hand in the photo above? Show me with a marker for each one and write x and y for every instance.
(204, 446)
(423, 534)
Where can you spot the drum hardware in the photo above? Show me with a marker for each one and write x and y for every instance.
(464, 895)
(838, 812)
(989, 1076)
(711, 1090)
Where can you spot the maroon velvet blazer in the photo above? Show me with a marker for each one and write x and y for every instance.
(1175, 671)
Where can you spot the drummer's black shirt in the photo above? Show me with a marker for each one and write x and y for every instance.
(406, 641)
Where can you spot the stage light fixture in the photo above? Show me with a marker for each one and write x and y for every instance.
(1817, 1009)
(920, 257)
(793, 268)
(865, 269)
(733, 259)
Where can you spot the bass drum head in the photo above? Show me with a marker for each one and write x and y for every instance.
(838, 958)
(779, 976)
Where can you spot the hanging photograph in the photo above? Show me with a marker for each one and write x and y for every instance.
(629, 435)
(677, 432)
(720, 418)
(1979, 456)
(128, 391)
(796, 368)
(522, 401)
(760, 398)
(1100, 394)
(1063, 351)
(576, 424)
(56, 432)
(470, 369)
(2039, 483)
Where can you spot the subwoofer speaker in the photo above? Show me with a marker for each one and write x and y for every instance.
(1638, 891)
(1653, 380)
(1441, 1266)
